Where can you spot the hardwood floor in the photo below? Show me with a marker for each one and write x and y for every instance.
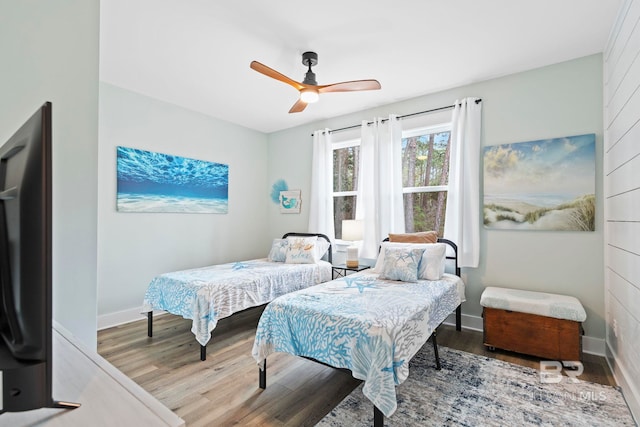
(223, 390)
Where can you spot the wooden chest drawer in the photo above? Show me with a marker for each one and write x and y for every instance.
(545, 337)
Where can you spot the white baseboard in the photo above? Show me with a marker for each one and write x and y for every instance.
(110, 320)
(596, 346)
(629, 391)
(473, 323)
(590, 345)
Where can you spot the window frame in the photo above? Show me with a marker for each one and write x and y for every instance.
(337, 145)
(417, 130)
(420, 130)
(352, 142)
(424, 130)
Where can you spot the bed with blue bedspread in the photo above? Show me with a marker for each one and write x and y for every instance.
(206, 295)
(363, 322)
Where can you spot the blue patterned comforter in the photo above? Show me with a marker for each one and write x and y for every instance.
(370, 326)
(209, 294)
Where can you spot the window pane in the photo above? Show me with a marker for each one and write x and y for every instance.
(344, 207)
(425, 211)
(345, 168)
(425, 159)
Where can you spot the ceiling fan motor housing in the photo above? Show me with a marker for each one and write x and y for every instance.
(310, 59)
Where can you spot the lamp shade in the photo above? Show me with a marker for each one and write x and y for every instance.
(352, 230)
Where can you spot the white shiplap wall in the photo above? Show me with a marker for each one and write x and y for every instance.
(621, 172)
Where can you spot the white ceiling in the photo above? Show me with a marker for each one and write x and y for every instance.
(196, 53)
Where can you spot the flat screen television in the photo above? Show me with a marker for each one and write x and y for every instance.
(25, 267)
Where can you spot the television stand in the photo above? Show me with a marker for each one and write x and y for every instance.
(65, 405)
(26, 385)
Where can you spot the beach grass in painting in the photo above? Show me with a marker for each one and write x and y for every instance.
(541, 185)
(156, 182)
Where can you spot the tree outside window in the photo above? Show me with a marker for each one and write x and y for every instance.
(346, 163)
(425, 176)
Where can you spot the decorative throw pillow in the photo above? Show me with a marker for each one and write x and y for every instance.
(401, 264)
(278, 252)
(301, 250)
(385, 245)
(433, 261)
(419, 237)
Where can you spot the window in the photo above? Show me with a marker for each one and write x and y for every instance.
(425, 176)
(346, 163)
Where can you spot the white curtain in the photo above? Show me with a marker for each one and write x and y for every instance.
(379, 201)
(321, 197)
(462, 222)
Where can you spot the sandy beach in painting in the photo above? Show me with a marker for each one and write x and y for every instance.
(574, 215)
(167, 204)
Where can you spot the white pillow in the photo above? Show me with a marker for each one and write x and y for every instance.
(278, 252)
(301, 250)
(321, 248)
(401, 264)
(380, 262)
(433, 261)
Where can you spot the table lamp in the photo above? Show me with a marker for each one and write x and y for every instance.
(352, 231)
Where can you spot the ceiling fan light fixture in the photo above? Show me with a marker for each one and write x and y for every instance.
(309, 95)
(309, 89)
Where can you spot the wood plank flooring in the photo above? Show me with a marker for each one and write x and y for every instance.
(223, 390)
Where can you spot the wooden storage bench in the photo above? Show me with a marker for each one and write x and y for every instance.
(535, 323)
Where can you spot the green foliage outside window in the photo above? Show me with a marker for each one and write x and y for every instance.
(425, 163)
(346, 163)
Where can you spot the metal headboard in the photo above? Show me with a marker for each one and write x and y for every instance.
(455, 253)
(457, 270)
(328, 254)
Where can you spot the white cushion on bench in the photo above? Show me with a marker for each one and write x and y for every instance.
(540, 303)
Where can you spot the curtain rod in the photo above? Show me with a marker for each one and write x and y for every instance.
(433, 110)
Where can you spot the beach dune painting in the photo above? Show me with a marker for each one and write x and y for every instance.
(156, 182)
(547, 184)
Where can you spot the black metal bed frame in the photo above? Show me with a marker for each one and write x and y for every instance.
(203, 349)
(378, 416)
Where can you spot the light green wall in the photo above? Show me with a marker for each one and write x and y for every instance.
(49, 52)
(559, 100)
(135, 247)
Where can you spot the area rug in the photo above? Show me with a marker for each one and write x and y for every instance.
(472, 390)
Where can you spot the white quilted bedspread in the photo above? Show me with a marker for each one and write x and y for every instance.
(209, 294)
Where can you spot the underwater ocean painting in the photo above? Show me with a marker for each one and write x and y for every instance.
(541, 185)
(156, 182)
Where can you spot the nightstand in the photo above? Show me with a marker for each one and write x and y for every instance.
(340, 270)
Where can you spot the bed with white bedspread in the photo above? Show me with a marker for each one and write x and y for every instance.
(206, 295)
(364, 323)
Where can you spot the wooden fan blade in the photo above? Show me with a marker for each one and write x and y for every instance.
(350, 86)
(298, 106)
(270, 72)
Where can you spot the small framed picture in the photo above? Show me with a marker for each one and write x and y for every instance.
(290, 201)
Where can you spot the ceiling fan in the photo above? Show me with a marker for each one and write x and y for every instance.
(310, 89)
